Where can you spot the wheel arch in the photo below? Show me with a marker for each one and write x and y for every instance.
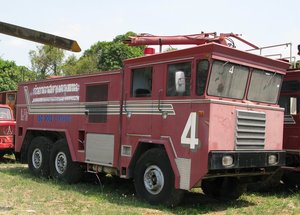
(31, 134)
(145, 145)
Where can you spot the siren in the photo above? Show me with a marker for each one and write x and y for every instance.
(149, 51)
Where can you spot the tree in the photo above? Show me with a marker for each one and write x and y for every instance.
(11, 75)
(110, 55)
(73, 66)
(46, 60)
(103, 56)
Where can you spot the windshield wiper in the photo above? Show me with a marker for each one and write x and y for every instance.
(269, 81)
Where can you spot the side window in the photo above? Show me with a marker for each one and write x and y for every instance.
(141, 82)
(290, 86)
(202, 71)
(290, 104)
(97, 112)
(284, 102)
(171, 85)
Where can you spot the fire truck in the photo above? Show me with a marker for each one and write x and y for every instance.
(205, 116)
(7, 122)
(7, 128)
(290, 100)
(9, 98)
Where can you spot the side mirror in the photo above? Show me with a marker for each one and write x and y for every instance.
(180, 82)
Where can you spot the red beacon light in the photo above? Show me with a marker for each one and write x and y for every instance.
(149, 51)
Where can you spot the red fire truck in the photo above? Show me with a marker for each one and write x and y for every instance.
(7, 128)
(7, 122)
(290, 100)
(202, 116)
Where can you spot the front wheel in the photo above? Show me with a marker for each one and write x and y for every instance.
(154, 179)
(61, 165)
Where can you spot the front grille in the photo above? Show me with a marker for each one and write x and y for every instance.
(6, 130)
(250, 130)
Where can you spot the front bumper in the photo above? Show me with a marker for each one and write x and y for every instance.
(245, 159)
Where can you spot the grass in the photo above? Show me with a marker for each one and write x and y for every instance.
(21, 193)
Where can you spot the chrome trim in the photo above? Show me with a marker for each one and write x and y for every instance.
(138, 135)
(160, 62)
(289, 120)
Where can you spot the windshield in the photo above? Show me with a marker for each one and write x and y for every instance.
(228, 80)
(264, 86)
(5, 114)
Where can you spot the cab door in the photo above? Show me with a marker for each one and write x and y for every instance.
(137, 107)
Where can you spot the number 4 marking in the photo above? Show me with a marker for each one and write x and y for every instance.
(189, 132)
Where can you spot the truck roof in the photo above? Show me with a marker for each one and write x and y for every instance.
(70, 77)
(215, 49)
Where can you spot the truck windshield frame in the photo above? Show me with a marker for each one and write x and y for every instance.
(228, 80)
(264, 86)
(5, 114)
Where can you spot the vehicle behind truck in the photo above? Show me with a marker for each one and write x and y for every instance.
(7, 128)
(205, 116)
(290, 100)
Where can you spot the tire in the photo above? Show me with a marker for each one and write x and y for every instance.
(291, 180)
(38, 156)
(154, 179)
(62, 167)
(224, 189)
(265, 183)
(2, 153)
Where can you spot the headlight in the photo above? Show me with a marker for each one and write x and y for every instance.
(272, 159)
(227, 160)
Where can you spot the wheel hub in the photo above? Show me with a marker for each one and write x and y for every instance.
(37, 158)
(153, 179)
(61, 162)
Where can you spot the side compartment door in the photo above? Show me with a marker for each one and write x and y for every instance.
(102, 124)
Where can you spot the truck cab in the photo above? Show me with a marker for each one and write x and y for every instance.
(7, 128)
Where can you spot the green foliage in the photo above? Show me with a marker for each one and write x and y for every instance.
(103, 56)
(72, 66)
(122, 37)
(46, 60)
(109, 55)
(170, 48)
(11, 75)
(298, 64)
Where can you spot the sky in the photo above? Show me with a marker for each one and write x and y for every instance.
(263, 23)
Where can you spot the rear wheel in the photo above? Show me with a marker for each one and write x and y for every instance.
(154, 179)
(223, 188)
(38, 156)
(61, 165)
